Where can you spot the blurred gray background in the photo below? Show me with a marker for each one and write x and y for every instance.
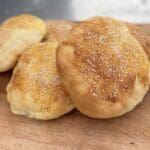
(130, 10)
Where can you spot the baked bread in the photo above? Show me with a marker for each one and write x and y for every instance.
(35, 89)
(17, 34)
(58, 30)
(103, 68)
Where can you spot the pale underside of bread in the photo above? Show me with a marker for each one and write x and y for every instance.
(13, 43)
(17, 34)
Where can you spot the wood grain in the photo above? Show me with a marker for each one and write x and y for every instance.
(74, 131)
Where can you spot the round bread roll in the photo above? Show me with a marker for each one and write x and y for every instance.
(103, 68)
(58, 30)
(17, 34)
(35, 89)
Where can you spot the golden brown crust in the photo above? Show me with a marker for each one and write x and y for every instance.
(24, 21)
(137, 32)
(17, 34)
(35, 89)
(58, 30)
(103, 68)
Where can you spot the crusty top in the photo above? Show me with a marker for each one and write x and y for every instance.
(36, 80)
(38, 76)
(25, 21)
(137, 32)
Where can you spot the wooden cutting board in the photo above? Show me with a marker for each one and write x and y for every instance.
(74, 130)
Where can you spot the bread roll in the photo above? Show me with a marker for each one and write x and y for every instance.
(103, 68)
(17, 34)
(35, 89)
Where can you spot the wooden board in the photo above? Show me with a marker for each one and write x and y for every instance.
(74, 130)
